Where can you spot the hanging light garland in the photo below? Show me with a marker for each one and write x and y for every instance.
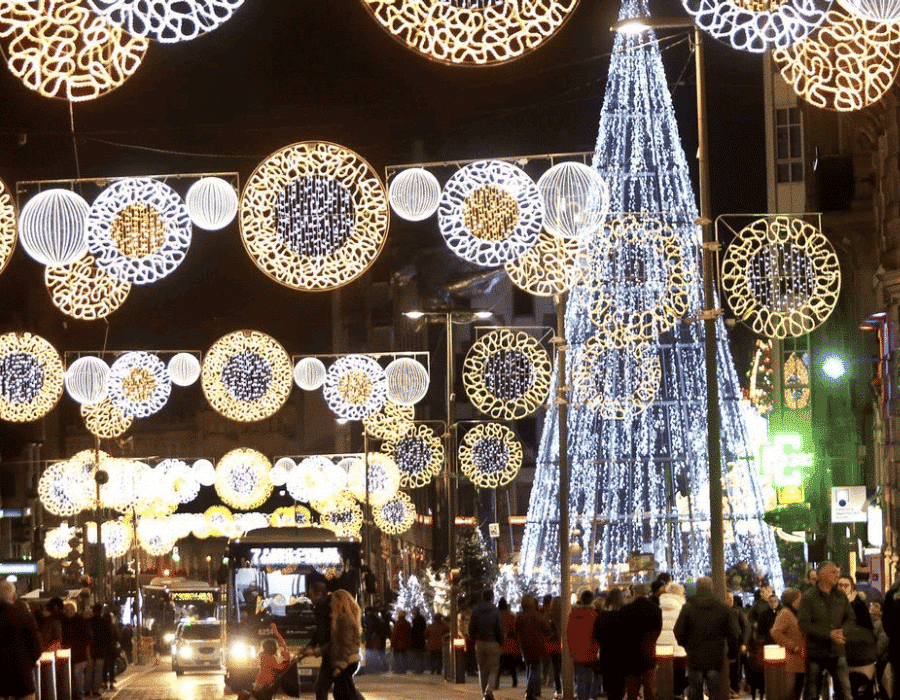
(382, 482)
(166, 21)
(576, 199)
(104, 420)
(390, 420)
(407, 381)
(472, 32)
(56, 541)
(184, 369)
(341, 515)
(85, 380)
(418, 453)
(309, 373)
(315, 478)
(139, 384)
(116, 538)
(52, 227)
(242, 479)
(84, 291)
(414, 194)
(314, 216)
(31, 377)
(246, 376)
(781, 277)
(138, 229)
(355, 387)
(545, 269)
(874, 10)
(507, 374)
(8, 225)
(617, 383)
(212, 203)
(396, 516)
(490, 455)
(61, 49)
(490, 212)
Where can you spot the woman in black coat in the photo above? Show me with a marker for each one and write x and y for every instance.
(20, 645)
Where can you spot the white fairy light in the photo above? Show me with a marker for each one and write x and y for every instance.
(52, 227)
(490, 455)
(166, 21)
(61, 491)
(407, 381)
(242, 479)
(309, 373)
(184, 369)
(414, 194)
(418, 453)
(139, 384)
(31, 377)
(396, 515)
(355, 387)
(380, 484)
(576, 199)
(86, 380)
(212, 203)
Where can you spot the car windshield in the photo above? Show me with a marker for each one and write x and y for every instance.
(200, 632)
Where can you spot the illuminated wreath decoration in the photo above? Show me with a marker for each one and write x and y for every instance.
(31, 377)
(242, 479)
(220, 521)
(355, 387)
(56, 541)
(104, 420)
(617, 383)
(383, 480)
(116, 538)
(8, 230)
(155, 536)
(61, 49)
(166, 21)
(127, 481)
(472, 32)
(314, 216)
(418, 453)
(490, 212)
(395, 516)
(507, 374)
(628, 310)
(389, 421)
(341, 515)
(315, 478)
(138, 230)
(796, 383)
(845, 65)
(246, 376)
(180, 479)
(781, 277)
(62, 490)
(545, 268)
(139, 384)
(758, 25)
(490, 455)
(84, 291)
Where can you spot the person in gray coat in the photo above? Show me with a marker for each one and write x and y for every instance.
(486, 630)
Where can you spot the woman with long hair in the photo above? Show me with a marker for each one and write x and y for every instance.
(786, 632)
(346, 632)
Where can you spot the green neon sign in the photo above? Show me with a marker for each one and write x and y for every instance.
(785, 461)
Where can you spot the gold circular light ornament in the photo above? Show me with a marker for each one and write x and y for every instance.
(314, 216)
(8, 227)
(389, 421)
(396, 516)
(246, 376)
(341, 515)
(104, 420)
(382, 482)
(139, 384)
(617, 383)
(61, 49)
(355, 387)
(31, 377)
(471, 32)
(418, 453)
(242, 479)
(545, 269)
(62, 490)
(84, 291)
(781, 277)
(490, 455)
(155, 536)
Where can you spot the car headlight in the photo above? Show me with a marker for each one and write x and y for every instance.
(241, 651)
(168, 637)
(186, 653)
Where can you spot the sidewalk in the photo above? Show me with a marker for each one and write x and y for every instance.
(389, 686)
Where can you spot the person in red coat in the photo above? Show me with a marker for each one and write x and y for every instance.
(532, 631)
(20, 646)
(583, 648)
(786, 632)
(509, 650)
(401, 640)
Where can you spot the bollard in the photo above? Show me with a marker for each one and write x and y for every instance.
(665, 677)
(36, 671)
(48, 675)
(459, 659)
(775, 657)
(63, 674)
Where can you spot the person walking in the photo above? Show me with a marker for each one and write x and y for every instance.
(101, 641)
(706, 630)
(608, 635)
(417, 641)
(126, 640)
(318, 644)
(532, 631)
(509, 650)
(583, 648)
(671, 601)
(20, 646)
(737, 665)
(861, 644)
(346, 632)
(486, 632)
(112, 653)
(786, 632)
(274, 659)
(434, 643)
(642, 624)
(76, 636)
(401, 638)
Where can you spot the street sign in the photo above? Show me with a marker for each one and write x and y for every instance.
(848, 504)
(494, 530)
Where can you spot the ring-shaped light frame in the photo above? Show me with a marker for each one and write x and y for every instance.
(342, 515)
(116, 538)
(633, 373)
(59, 491)
(355, 387)
(8, 226)
(166, 21)
(84, 291)
(396, 515)
(389, 421)
(315, 478)
(545, 269)
(126, 480)
(32, 395)
(488, 436)
(418, 454)
(242, 479)
(383, 478)
(104, 420)
(139, 384)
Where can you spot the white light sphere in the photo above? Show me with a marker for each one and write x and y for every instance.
(281, 470)
(309, 374)
(414, 194)
(874, 10)
(576, 199)
(86, 380)
(184, 369)
(407, 381)
(212, 203)
(204, 472)
(52, 227)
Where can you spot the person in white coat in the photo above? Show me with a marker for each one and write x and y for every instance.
(671, 601)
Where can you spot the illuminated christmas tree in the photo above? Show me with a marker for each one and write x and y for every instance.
(637, 418)
(410, 595)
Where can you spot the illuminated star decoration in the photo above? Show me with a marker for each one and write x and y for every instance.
(418, 453)
(617, 383)
(104, 420)
(389, 421)
(396, 515)
(8, 232)
(355, 387)
(781, 277)
(84, 291)
(490, 455)
(139, 384)
(545, 268)
(166, 21)
(242, 479)
(31, 377)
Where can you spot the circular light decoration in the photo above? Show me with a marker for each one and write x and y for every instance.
(309, 373)
(355, 387)
(418, 454)
(758, 25)
(104, 420)
(138, 229)
(116, 538)
(414, 194)
(184, 369)
(576, 199)
(246, 376)
(407, 381)
(204, 472)
(390, 420)
(84, 291)
(781, 277)
(490, 212)
(544, 270)
(315, 478)
(31, 377)
(280, 471)
(220, 521)
(472, 32)
(341, 515)
(314, 216)
(180, 479)
(86, 380)
(139, 384)
(212, 203)
(874, 10)
(166, 21)
(395, 516)
(507, 374)
(56, 541)
(242, 479)
(796, 382)
(245, 522)
(297, 516)
(52, 227)
(155, 536)
(845, 65)
(637, 273)
(8, 225)
(617, 383)
(127, 479)
(61, 49)
(63, 490)
(383, 478)
(490, 455)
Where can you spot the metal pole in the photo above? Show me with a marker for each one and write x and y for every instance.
(367, 531)
(137, 587)
(451, 475)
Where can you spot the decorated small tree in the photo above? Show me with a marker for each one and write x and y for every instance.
(410, 595)
(477, 568)
(509, 586)
(439, 583)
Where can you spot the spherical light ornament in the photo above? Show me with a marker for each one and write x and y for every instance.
(116, 538)
(56, 541)
(242, 479)
(390, 420)
(407, 381)
(395, 516)
(139, 384)
(180, 479)
(418, 453)
(280, 471)
(576, 199)
(874, 10)
(309, 373)
(52, 227)
(212, 203)
(166, 21)
(204, 472)
(86, 380)
(104, 420)
(355, 387)
(383, 479)
(490, 455)
(342, 515)
(315, 478)
(84, 291)
(184, 369)
(414, 194)
(8, 226)
(31, 377)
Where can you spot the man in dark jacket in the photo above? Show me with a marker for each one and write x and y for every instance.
(321, 638)
(76, 636)
(643, 623)
(706, 629)
(890, 622)
(20, 646)
(532, 631)
(823, 616)
(417, 640)
(102, 641)
(486, 631)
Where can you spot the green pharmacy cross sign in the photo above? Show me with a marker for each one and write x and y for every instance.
(785, 461)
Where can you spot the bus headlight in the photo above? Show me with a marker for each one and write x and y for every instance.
(186, 653)
(241, 651)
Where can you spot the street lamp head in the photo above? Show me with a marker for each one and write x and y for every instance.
(414, 315)
(636, 25)
(483, 314)
(834, 367)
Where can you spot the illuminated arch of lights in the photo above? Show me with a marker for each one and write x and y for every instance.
(418, 454)
(31, 377)
(139, 384)
(490, 455)
(83, 290)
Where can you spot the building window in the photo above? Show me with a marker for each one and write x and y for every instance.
(788, 145)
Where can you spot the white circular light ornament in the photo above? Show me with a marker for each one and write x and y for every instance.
(490, 212)
(490, 455)
(212, 203)
(166, 21)
(62, 491)
(31, 377)
(139, 384)
(576, 199)
(155, 536)
(180, 479)
(52, 227)
(116, 538)
(280, 471)
(355, 387)
(184, 369)
(758, 25)
(407, 381)
(126, 481)
(874, 10)
(315, 478)
(86, 380)
(309, 373)
(414, 194)
(242, 479)
(56, 541)
(8, 226)
(138, 230)
(204, 472)
(396, 516)
(383, 479)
